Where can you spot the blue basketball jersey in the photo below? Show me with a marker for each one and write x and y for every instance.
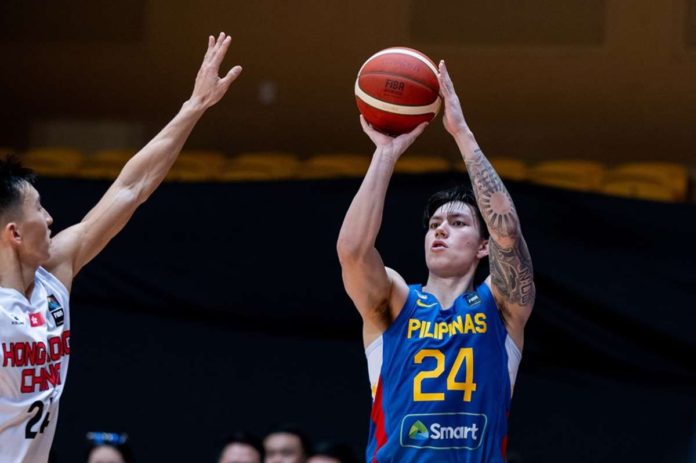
(442, 382)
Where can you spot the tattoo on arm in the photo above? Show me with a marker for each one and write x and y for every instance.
(511, 265)
(512, 272)
(493, 198)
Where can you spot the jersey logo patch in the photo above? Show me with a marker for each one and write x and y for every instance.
(56, 310)
(472, 299)
(444, 431)
(36, 319)
(420, 303)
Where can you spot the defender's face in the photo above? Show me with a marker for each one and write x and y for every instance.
(33, 228)
(453, 243)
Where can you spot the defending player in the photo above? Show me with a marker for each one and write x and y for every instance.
(36, 272)
(443, 357)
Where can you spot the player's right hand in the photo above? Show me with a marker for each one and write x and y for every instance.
(210, 87)
(394, 146)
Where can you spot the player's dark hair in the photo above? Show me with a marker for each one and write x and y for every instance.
(460, 193)
(13, 178)
(294, 430)
(340, 451)
(243, 437)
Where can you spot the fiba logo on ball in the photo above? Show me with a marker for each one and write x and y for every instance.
(397, 89)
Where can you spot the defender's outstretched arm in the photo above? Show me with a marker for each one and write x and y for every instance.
(143, 173)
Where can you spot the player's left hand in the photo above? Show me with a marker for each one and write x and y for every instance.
(210, 87)
(453, 118)
(394, 146)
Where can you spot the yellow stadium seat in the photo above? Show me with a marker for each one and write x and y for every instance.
(421, 164)
(335, 165)
(574, 175)
(513, 169)
(660, 181)
(197, 166)
(262, 165)
(105, 164)
(54, 162)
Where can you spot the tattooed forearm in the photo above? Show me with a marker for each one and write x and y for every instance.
(493, 199)
(512, 273)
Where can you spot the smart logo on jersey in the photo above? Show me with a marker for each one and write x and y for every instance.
(418, 431)
(56, 310)
(444, 431)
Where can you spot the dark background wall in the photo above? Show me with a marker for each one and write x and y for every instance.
(220, 307)
(609, 80)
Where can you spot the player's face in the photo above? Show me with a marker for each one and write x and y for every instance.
(283, 447)
(453, 242)
(34, 227)
(240, 453)
(105, 454)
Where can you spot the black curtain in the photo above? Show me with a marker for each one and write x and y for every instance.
(220, 307)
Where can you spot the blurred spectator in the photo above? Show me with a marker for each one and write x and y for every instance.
(286, 444)
(108, 447)
(242, 447)
(330, 452)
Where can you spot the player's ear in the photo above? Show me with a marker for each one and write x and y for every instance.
(483, 249)
(10, 233)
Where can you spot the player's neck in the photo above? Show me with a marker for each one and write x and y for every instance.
(447, 289)
(15, 274)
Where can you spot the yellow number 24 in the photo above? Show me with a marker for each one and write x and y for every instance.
(468, 386)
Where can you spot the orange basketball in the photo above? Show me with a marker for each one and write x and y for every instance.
(397, 89)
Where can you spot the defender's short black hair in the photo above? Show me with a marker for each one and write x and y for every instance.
(243, 437)
(13, 178)
(460, 193)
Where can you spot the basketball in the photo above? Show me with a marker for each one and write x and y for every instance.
(397, 89)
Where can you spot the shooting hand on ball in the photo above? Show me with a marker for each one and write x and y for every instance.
(394, 146)
(453, 118)
(210, 87)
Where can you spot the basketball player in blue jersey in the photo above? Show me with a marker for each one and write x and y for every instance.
(442, 358)
(36, 272)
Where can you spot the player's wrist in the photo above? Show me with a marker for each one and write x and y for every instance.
(194, 105)
(387, 156)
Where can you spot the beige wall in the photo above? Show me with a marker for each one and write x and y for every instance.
(633, 97)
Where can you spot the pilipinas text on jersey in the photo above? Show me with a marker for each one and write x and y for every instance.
(442, 382)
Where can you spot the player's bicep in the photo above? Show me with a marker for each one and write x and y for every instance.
(370, 285)
(512, 279)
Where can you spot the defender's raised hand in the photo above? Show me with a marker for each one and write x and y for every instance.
(210, 87)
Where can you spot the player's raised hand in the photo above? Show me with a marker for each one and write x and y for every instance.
(393, 145)
(453, 118)
(210, 87)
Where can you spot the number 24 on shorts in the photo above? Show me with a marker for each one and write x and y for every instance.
(468, 386)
